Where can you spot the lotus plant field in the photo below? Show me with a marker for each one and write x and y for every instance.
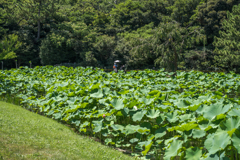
(151, 114)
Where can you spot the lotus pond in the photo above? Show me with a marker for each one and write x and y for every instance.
(192, 115)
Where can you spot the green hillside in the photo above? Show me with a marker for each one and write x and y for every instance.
(26, 135)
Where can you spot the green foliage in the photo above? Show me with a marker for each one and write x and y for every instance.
(97, 32)
(135, 47)
(132, 14)
(8, 46)
(55, 49)
(104, 50)
(211, 13)
(228, 44)
(192, 116)
(182, 10)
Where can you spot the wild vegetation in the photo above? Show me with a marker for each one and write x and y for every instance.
(186, 34)
(191, 115)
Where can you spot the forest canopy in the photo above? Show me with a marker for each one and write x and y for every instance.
(171, 34)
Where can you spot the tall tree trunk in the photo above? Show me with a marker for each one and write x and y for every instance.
(175, 59)
(39, 9)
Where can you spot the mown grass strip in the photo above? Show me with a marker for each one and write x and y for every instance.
(26, 135)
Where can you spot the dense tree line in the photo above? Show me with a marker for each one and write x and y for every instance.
(186, 34)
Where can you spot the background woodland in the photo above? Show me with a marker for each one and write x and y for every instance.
(171, 34)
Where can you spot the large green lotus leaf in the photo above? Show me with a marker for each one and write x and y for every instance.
(139, 115)
(160, 132)
(216, 157)
(94, 86)
(181, 104)
(230, 125)
(132, 103)
(193, 153)
(205, 98)
(217, 141)
(146, 125)
(236, 140)
(86, 123)
(234, 112)
(71, 94)
(201, 109)
(77, 123)
(146, 101)
(185, 117)
(218, 93)
(74, 108)
(163, 107)
(117, 127)
(147, 148)
(72, 100)
(97, 126)
(172, 117)
(106, 90)
(131, 129)
(160, 119)
(98, 94)
(236, 106)
(172, 151)
(133, 140)
(154, 92)
(108, 140)
(144, 91)
(198, 133)
(57, 115)
(125, 111)
(123, 92)
(214, 110)
(144, 143)
(152, 113)
(117, 104)
(102, 101)
(186, 127)
(143, 130)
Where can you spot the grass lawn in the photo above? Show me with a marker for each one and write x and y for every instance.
(26, 135)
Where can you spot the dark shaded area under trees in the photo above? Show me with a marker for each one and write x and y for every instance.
(184, 34)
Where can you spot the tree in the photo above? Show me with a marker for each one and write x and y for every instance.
(211, 13)
(33, 11)
(227, 51)
(170, 40)
(56, 49)
(2, 23)
(132, 15)
(182, 10)
(8, 46)
(136, 48)
(104, 48)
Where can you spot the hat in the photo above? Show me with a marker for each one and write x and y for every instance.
(117, 61)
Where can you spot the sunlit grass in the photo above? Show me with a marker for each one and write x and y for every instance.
(26, 135)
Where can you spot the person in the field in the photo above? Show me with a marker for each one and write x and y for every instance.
(115, 67)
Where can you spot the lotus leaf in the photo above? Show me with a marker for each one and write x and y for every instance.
(172, 151)
(193, 153)
(160, 132)
(139, 115)
(216, 157)
(198, 133)
(134, 140)
(152, 113)
(172, 117)
(217, 141)
(117, 104)
(215, 109)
